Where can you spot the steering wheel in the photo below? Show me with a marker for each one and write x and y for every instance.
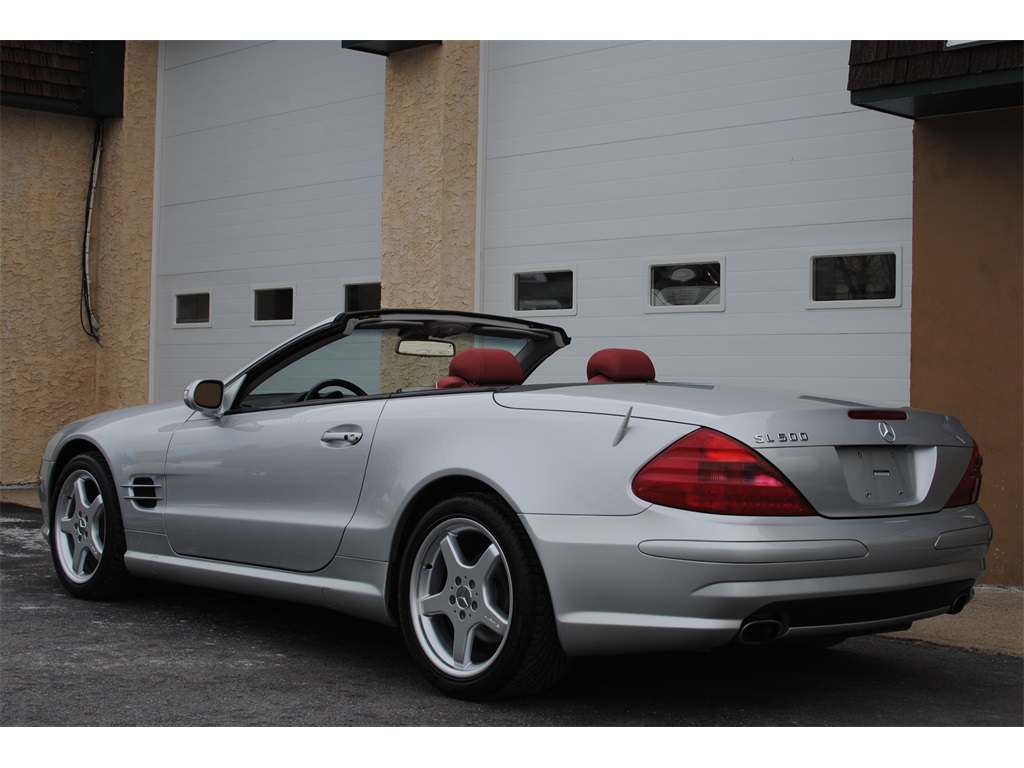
(314, 391)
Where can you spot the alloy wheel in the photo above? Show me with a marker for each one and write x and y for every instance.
(461, 597)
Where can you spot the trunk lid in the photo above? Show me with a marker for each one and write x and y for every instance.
(845, 467)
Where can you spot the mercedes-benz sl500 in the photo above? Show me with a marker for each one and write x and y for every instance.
(397, 465)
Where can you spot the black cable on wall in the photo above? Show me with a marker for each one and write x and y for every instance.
(86, 315)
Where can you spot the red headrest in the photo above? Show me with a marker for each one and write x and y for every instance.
(620, 365)
(486, 367)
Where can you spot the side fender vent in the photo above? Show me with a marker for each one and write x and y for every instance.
(143, 492)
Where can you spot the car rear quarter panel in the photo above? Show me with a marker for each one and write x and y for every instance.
(540, 462)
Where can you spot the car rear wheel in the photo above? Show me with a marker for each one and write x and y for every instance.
(475, 608)
(87, 538)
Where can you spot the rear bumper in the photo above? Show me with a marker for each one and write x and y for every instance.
(666, 579)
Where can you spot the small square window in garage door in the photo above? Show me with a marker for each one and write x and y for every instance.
(274, 305)
(192, 309)
(855, 279)
(686, 286)
(548, 292)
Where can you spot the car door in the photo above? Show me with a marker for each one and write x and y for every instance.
(274, 481)
(274, 488)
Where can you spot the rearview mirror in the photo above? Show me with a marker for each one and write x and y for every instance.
(426, 348)
(205, 396)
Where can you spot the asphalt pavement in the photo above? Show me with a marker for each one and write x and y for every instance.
(184, 656)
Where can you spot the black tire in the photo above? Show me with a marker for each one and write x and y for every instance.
(474, 605)
(87, 538)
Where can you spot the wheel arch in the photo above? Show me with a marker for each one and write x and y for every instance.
(67, 452)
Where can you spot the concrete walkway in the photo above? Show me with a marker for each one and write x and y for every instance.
(993, 622)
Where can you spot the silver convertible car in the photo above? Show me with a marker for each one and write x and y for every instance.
(395, 465)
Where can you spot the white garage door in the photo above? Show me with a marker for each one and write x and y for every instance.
(720, 205)
(268, 197)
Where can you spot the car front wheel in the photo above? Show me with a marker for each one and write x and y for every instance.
(87, 538)
(474, 603)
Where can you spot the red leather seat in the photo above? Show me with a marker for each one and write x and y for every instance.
(482, 368)
(619, 365)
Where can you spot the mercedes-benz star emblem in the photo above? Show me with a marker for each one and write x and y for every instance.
(887, 432)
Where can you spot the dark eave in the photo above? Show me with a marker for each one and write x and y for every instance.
(65, 76)
(929, 78)
(950, 96)
(385, 47)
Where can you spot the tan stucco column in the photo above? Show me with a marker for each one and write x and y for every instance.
(967, 348)
(51, 372)
(430, 161)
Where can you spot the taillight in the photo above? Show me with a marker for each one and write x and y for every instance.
(707, 471)
(970, 484)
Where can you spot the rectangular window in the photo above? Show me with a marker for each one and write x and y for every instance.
(362, 296)
(855, 279)
(274, 305)
(192, 309)
(550, 292)
(686, 286)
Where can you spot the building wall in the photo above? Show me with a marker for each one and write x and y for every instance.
(966, 355)
(51, 372)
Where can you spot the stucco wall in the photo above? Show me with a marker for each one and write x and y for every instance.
(967, 342)
(124, 237)
(51, 372)
(430, 160)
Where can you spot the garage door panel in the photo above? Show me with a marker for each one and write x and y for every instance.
(606, 159)
(273, 78)
(648, 98)
(223, 162)
(269, 175)
(699, 161)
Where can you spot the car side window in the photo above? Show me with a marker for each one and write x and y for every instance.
(345, 367)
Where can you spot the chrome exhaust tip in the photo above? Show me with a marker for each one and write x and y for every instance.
(758, 630)
(961, 601)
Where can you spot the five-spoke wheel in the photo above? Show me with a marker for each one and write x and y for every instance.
(86, 533)
(475, 608)
(461, 594)
(80, 536)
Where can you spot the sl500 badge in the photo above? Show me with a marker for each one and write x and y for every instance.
(782, 437)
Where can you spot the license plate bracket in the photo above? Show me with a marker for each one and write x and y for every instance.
(880, 476)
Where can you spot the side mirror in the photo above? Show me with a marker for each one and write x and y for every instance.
(205, 396)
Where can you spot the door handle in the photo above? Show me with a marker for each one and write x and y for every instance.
(341, 437)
